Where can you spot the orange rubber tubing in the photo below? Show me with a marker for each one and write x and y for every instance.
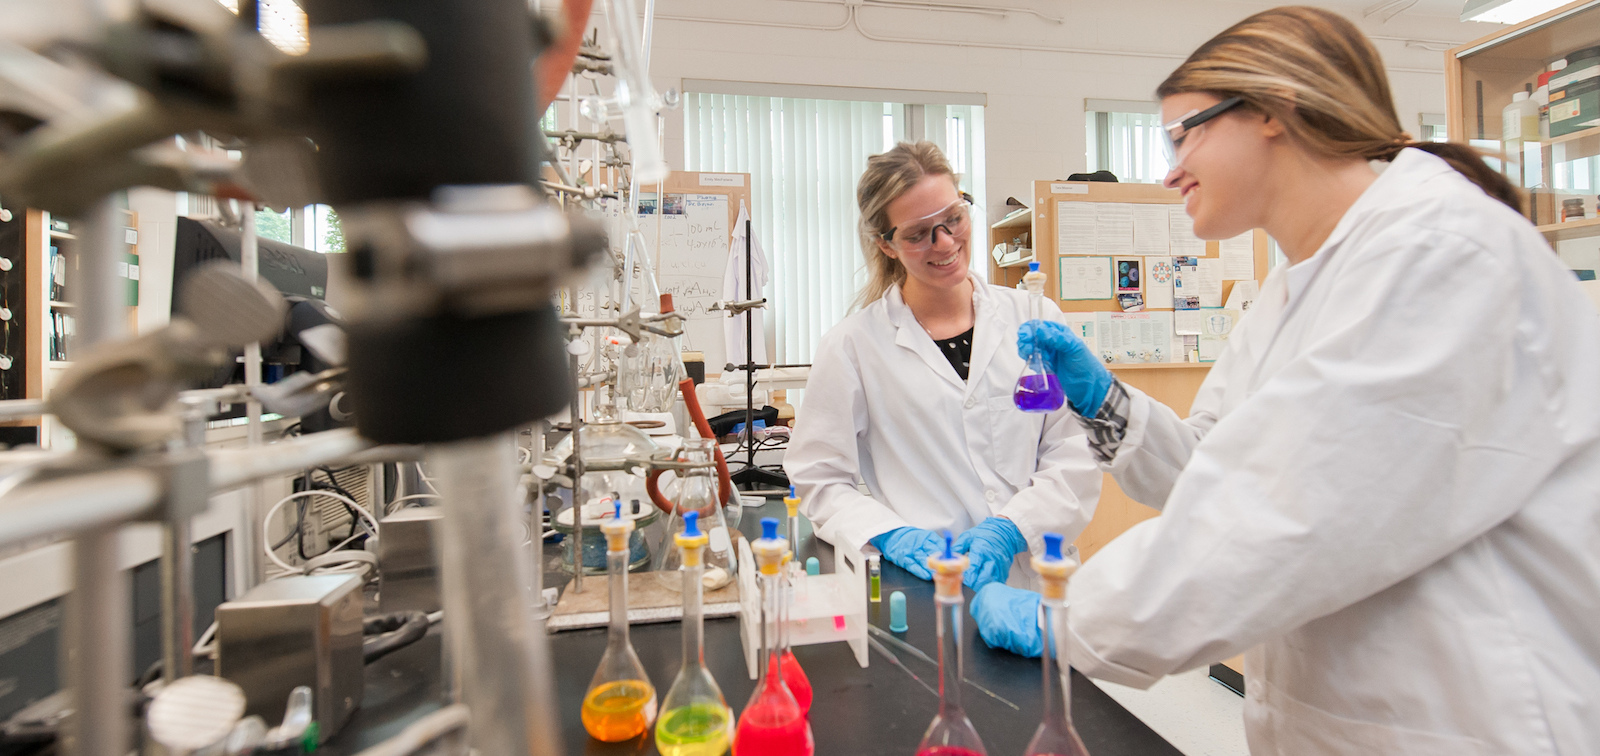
(698, 415)
(552, 68)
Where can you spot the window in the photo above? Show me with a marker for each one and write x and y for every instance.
(805, 156)
(1124, 137)
(1433, 128)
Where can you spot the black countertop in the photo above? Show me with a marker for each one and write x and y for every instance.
(855, 711)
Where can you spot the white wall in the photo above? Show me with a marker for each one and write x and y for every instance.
(1034, 85)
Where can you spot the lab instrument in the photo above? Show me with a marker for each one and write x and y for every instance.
(773, 723)
(697, 494)
(951, 732)
(621, 703)
(1038, 388)
(319, 618)
(695, 719)
(1056, 735)
(874, 578)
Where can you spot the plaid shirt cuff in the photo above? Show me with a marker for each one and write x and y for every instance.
(1110, 424)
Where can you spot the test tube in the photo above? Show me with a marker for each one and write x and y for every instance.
(874, 578)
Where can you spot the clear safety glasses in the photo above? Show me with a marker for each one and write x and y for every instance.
(919, 235)
(1173, 133)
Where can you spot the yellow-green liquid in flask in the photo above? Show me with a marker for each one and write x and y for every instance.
(695, 730)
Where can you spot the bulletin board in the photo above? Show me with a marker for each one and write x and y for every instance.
(1122, 214)
(689, 248)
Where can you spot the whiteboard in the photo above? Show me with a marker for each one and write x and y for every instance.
(691, 259)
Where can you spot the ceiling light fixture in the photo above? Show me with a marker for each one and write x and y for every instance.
(1507, 11)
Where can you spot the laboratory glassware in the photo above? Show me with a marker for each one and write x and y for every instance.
(648, 372)
(614, 455)
(1038, 389)
(773, 724)
(799, 683)
(695, 719)
(1056, 735)
(621, 703)
(697, 494)
(951, 732)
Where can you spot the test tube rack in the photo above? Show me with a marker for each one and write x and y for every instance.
(830, 608)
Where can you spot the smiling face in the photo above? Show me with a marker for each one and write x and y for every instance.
(1224, 165)
(943, 265)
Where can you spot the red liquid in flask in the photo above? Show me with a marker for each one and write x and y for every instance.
(799, 684)
(1038, 393)
(773, 727)
(947, 751)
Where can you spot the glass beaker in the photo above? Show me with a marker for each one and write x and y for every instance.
(695, 719)
(697, 493)
(951, 732)
(1056, 735)
(621, 703)
(1038, 389)
(773, 724)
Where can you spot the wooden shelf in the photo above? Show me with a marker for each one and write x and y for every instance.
(54, 234)
(54, 303)
(1576, 135)
(1157, 365)
(58, 364)
(1021, 263)
(1578, 229)
(1021, 217)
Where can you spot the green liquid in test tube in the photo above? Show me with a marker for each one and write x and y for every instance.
(874, 579)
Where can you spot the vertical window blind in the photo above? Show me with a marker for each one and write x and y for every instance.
(804, 157)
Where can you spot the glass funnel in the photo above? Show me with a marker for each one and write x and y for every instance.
(621, 703)
(1038, 389)
(773, 724)
(1056, 735)
(697, 494)
(951, 732)
(695, 719)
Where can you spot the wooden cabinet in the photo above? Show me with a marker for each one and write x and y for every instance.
(1562, 167)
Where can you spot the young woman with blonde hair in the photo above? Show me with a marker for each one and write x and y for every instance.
(1387, 493)
(911, 395)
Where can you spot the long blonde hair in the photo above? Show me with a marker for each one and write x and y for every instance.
(1314, 71)
(888, 176)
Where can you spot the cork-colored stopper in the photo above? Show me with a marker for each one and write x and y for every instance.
(948, 568)
(1053, 568)
(770, 550)
(691, 540)
(617, 529)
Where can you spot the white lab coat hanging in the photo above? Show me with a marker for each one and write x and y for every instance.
(734, 289)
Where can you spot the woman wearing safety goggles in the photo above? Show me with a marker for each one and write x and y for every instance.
(912, 395)
(1387, 492)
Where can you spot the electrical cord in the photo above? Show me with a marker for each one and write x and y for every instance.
(391, 509)
(288, 569)
(387, 633)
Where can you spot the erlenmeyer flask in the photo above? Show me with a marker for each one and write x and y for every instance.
(773, 724)
(951, 732)
(648, 372)
(1056, 735)
(697, 493)
(1038, 390)
(621, 703)
(695, 719)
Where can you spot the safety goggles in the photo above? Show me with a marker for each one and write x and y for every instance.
(919, 235)
(1174, 133)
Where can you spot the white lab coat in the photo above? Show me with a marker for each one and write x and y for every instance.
(884, 405)
(1387, 495)
(733, 290)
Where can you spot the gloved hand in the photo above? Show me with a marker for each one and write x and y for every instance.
(990, 545)
(1084, 378)
(1008, 618)
(910, 548)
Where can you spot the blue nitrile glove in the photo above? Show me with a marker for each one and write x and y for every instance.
(910, 548)
(1084, 378)
(1008, 618)
(990, 545)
